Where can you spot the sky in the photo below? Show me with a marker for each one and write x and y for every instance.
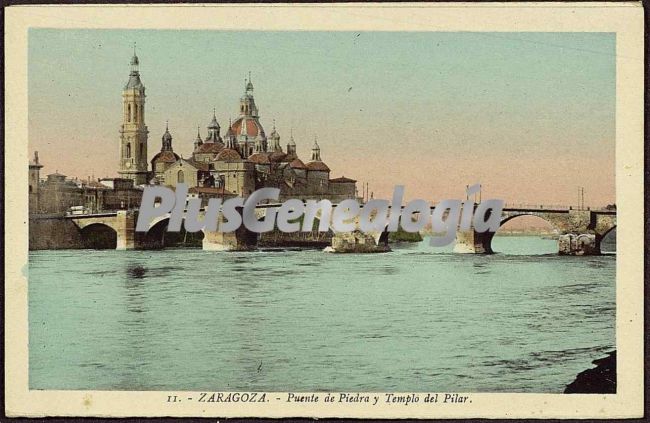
(530, 116)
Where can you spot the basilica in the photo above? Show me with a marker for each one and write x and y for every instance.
(238, 162)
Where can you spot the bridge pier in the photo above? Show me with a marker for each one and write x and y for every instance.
(240, 240)
(472, 242)
(220, 241)
(578, 245)
(124, 226)
(359, 242)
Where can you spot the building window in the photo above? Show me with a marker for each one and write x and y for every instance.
(128, 150)
(181, 177)
(129, 107)
(141, 150)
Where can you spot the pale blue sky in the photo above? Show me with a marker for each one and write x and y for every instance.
(531, 115)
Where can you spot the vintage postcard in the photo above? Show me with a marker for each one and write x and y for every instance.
(350, 210)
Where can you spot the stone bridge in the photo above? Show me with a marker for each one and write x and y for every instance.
(123, 224)
(581, 231)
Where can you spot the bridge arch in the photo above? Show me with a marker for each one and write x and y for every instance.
(98, 236)
(489, 238)
(159, 237)
(601, 240)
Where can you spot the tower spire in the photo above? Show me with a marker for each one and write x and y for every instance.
(134, 62)
(315, 150)
(166, 138)
(291, 145)
(198, 141)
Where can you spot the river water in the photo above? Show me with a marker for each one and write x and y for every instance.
(416, 319)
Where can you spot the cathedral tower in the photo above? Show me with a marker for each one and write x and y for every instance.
(133, 132)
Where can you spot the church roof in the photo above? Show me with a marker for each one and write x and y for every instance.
(297, 164)
(228, 155)
(259, 158)
(210, 147)
(96, 185)
(277, 156)
(199, 165)
(180, 162)
(320, 166)
(166, 157)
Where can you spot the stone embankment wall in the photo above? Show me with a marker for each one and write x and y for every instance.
(53, 233)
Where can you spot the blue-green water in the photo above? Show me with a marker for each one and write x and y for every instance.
(415, 319)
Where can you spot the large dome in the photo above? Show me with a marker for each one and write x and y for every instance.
(248, 126)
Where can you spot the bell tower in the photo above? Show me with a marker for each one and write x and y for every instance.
(133, 131)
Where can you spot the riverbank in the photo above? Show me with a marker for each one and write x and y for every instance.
(599, 380)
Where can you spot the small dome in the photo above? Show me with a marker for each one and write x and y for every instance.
(134, 61)
(319, 166)
(167, 136)
(228, 155)
(165, 157)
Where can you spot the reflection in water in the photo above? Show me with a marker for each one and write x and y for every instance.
(416, 319)
(136, 271)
